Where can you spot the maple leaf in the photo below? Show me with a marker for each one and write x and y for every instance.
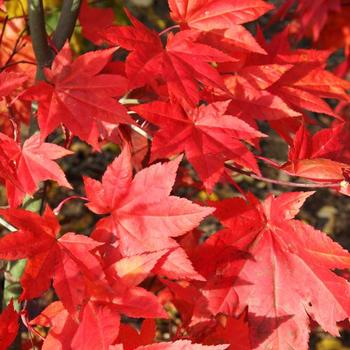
(67, 260)
(220, 21)
(336, 23)
(288, 277)
(93, 20)
(216, 14)
(29, 165)
(143, 222)
(98, 328)
(131, 338)
(9, 81)
(62, 326)
(9, 325)
(320, 157)
(79, 95)
(307, 82)
(297, 77)
(96, 315)
(183, 64)
(207, 134)
(249, 103)
(311, 16)
(230, 330)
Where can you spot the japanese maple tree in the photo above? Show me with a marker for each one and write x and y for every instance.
(131, 145)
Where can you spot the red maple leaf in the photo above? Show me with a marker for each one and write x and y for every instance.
(9, 81)
(288, 277)
(320, 157)
(131, 338)
(79, 95)
(9, 325)
(298, 77)
(67, 260)
(207, 135)
(24, 168)
(183, 64)
(93, 20)
(62, 326)
(310, 16)
(216, 14)
(143, 222)
(221, 22)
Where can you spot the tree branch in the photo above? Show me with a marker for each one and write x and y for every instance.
(66, 23)
(39, 37)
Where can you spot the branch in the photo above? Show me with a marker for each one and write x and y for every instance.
(66, 23)
(280, 182)
(39, 37)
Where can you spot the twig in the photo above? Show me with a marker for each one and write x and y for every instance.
(62, 203)
(280, 182)
(166, 30)
(15, 48)
(15, 63)
(141, 132)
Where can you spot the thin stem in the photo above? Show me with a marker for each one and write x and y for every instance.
(280, 182)
(15, 63)
(16, 48)
(39, 36)
(166, 30)
(141, 132)
(7, 225)
(24, 318)
(66, 23)
(60, 205)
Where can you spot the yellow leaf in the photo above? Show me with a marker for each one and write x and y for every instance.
(19, 8)
(330, 344)
(16, 8)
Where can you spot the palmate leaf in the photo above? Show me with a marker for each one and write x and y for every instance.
(67, 260)
(79, 95)
(143, 223)
(208, 135)
(9, 81)
(286, 277)
(23, 168)
(323, 156)
(9, 325)
(216, 14)
(183, 64)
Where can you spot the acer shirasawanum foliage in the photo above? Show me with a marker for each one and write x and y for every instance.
(183, 109)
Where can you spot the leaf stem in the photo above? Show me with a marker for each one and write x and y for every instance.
(166, 30)
(280, 182)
